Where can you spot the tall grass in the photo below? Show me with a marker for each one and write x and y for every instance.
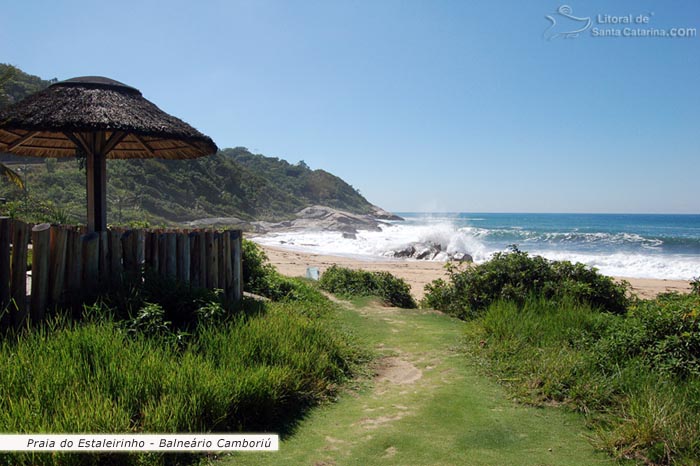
(634, 376)
(182, 364)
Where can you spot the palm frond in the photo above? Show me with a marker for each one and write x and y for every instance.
(11, 175)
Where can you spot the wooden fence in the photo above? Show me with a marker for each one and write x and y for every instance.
(69, 265)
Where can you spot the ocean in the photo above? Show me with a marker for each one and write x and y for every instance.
(624, 245)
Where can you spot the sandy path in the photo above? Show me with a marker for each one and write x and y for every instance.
(419, 273)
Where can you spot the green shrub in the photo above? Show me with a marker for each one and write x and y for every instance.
(260, 277)
(514, 276)
(346, 282)
(695, 285)
(664, 334)
(635, 376)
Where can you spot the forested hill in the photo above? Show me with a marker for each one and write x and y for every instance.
(232, 183)
(15, 84)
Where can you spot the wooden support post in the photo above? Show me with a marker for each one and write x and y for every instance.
(90, 249)
(57, 263)
(96, 173)
(195, 268)
(5, 239)
(18, 273)
(41, 237)
(115, 256)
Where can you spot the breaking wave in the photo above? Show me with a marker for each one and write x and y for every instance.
(626, 254)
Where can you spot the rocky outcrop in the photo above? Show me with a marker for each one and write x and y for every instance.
(428, 251)
(317, 218)
(382, 214)
(217, 222)
(329, 219)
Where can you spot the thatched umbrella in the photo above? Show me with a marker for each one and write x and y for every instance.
(101, 119)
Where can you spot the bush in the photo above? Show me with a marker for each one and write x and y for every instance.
(346, 282)
(664, 334)
(260, 277)
(636, 376)
(514, 276)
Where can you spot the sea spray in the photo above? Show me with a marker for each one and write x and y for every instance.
(642, 246)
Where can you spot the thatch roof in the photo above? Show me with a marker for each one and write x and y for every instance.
(44, 124)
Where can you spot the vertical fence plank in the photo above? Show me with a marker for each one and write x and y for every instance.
(154, 255)
(147, 250)
(5, 239)
(74, 265)
(140, 250)
(183, 257)
(90, 248)
(18, 279)
(202, 258)
(41, 236)
(103, 257)
(227, 260)
(194, 238)
(57, 263)
(221, 274)
(171, 255)
(212, 264)
(162, 254)
(237, 247)
(115, 255)
(129, 251)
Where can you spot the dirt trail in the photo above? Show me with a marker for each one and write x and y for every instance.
(425, 404)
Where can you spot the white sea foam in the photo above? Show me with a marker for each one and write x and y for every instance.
(644, 262)
(377, 245)
(669, 267)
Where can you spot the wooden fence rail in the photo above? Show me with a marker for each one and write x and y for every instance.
(68, 265)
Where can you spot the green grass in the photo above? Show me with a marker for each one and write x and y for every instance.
(451, 415)
(251, 373)
(635, 376)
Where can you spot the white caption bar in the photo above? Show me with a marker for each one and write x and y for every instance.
(139, 442)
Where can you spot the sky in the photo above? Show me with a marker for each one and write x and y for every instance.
(431, 105)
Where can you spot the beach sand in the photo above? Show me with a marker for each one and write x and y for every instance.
(419, 273)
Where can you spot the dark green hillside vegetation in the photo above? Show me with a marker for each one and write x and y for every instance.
(166, 358)
(15, 84)
(561, 333)
(299, 181)
(172, 191)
